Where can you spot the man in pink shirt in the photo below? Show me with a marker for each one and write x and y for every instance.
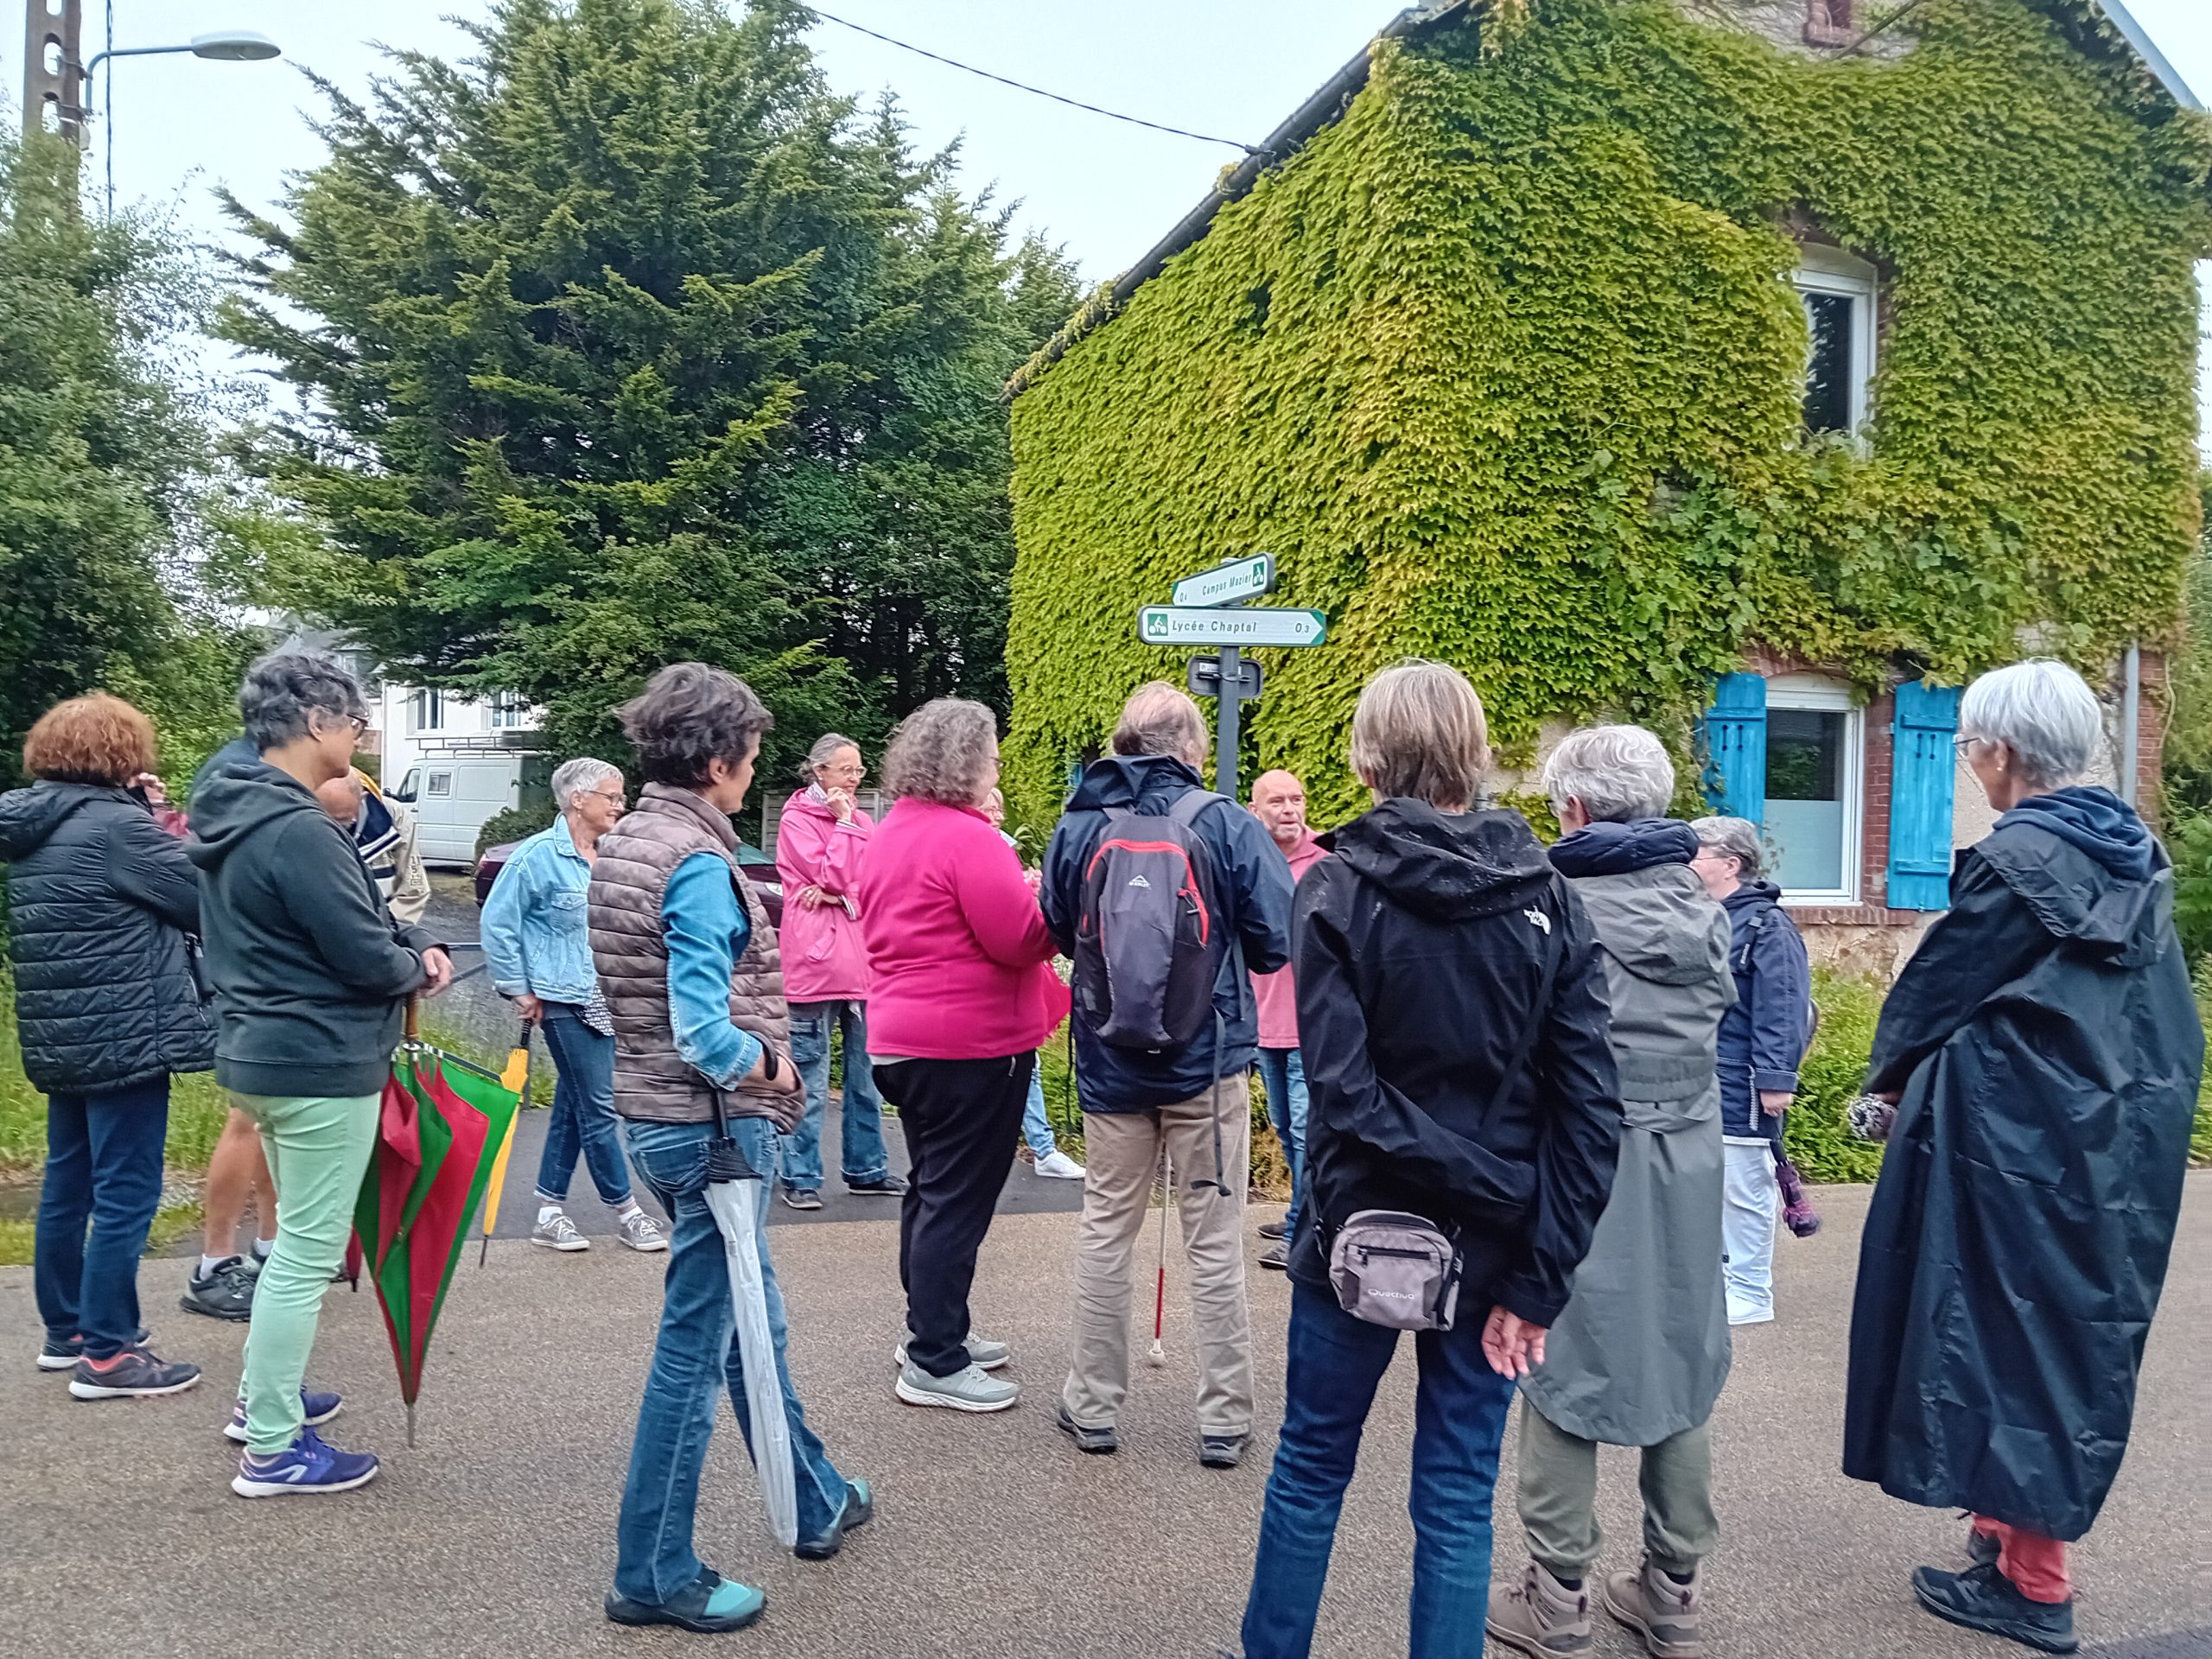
(1279, 802)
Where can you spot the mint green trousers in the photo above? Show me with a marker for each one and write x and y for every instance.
(318, 1148)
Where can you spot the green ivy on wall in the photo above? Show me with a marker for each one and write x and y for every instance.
(1503, 368)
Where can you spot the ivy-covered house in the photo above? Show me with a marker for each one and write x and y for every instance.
(1756, 369)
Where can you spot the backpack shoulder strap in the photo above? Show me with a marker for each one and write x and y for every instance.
(1188, 806)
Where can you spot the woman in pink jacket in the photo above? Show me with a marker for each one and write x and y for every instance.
(961, 993)
(821, 845)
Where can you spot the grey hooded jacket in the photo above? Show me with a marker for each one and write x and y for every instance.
(1642, 1352)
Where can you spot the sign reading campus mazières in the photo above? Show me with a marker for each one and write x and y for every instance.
(1225, 583)
(1170, 625)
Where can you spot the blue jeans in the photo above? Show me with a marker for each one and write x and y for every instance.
(695, 1357)
(1282, 1074)
(583, 1111)
(1036, 1127)
(103, 1167)
(863, 1156)
(1461, 1404)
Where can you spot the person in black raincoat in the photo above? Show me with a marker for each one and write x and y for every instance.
(2043, 1050)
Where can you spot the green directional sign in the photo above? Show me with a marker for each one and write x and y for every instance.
(1227, 584)
(1174, 625)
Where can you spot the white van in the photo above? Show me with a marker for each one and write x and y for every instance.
(452, 793)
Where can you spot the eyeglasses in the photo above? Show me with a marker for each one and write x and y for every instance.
(614, 795)
(1964, 746)
(359, 722)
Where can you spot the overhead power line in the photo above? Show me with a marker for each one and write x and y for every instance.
(1024, 87)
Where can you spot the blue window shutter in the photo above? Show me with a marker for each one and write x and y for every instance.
(1735, 747)
(1924, 765)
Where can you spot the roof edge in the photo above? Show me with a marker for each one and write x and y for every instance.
(1322, 110)
(2137, 36)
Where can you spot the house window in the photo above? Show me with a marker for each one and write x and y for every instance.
(428, 710)
(1838, 292)
(509, 712)
(1831, 23)
(1815, 778)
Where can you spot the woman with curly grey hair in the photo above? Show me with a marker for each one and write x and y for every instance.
(960, 997)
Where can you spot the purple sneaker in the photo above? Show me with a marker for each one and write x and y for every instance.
(307, 1465)
(317, 1407)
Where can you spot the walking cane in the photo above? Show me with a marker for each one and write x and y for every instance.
(1158, 1354)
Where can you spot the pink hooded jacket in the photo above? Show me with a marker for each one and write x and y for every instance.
(824, 959)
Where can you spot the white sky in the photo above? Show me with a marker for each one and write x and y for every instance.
(1103, 190)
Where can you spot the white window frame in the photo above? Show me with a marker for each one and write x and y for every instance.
(1825, 270)
(508, 713)
(427, 710)
(1811, 691)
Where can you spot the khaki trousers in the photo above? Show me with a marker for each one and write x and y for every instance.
(1558, 1497)
(1121, 1161)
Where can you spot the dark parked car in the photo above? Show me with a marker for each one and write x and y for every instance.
(760, 869)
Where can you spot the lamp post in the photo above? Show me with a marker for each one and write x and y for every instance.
(225, 45)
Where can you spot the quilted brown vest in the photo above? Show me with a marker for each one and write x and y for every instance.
(630, 950)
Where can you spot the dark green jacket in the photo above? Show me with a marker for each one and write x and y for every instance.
(311, 974)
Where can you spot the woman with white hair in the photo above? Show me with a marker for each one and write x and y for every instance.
(2042, 1051)
(1639, 1356)
(538, 951)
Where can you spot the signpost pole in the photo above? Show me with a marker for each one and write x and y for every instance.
(1224, 754)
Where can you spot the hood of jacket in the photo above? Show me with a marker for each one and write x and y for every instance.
(28, 817)
(1147, 784)
(1658, 923)
(1751, 895)
(235, 799)
(2076, 895)
(1618, 848)
(1449, 866)
(2096, 821)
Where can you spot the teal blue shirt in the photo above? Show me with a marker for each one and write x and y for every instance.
(706, 926)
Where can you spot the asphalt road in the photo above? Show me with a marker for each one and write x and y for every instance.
(495, 1535)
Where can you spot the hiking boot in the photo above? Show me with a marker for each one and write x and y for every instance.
(1540, 1615)
(1664, 1613)
(225, 1294)
(557, 1232)
(640, 1232)
(982, 1353)
(62, 1353)
(968, 1389)
(1056, 1166)
(859, 1510)
(1274, 1230)
(1276, 1256)
(307, 1465)
(1983, 1547)
(1982, 1598)
(883, 1187)
(133, 1374)
(709, 1605)
(802, 1197)
(316, 1408)
(1098, 1442)
(1222, 1451)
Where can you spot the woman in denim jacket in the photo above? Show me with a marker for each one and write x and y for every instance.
(535, 944)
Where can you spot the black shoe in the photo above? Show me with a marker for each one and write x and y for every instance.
(1274, 1230)
(1982, 1598)
(859, 1510)
(1099, 1442)
(226, 1293)
(692, 1608)
(884, 1186)
(802, 1197)
(1278, 1258)
(1222, 1451)
(136, 1374)
(62, 1353)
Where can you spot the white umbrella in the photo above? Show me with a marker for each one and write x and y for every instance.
(735, 1193)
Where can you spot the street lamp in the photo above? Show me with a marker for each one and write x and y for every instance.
(224, 46)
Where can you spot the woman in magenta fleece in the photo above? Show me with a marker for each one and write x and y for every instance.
(960, 995)
(821, 846)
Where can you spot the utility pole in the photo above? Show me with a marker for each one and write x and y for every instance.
(55, 27)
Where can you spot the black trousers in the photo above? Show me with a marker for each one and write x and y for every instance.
(961, 1119)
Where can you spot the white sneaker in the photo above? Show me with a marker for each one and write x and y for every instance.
(559, 1233)
(1059, 1166)
(640, 1232)
(966, 1389)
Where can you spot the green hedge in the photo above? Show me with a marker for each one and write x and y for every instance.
(1813, 1132)
(1503, 367)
